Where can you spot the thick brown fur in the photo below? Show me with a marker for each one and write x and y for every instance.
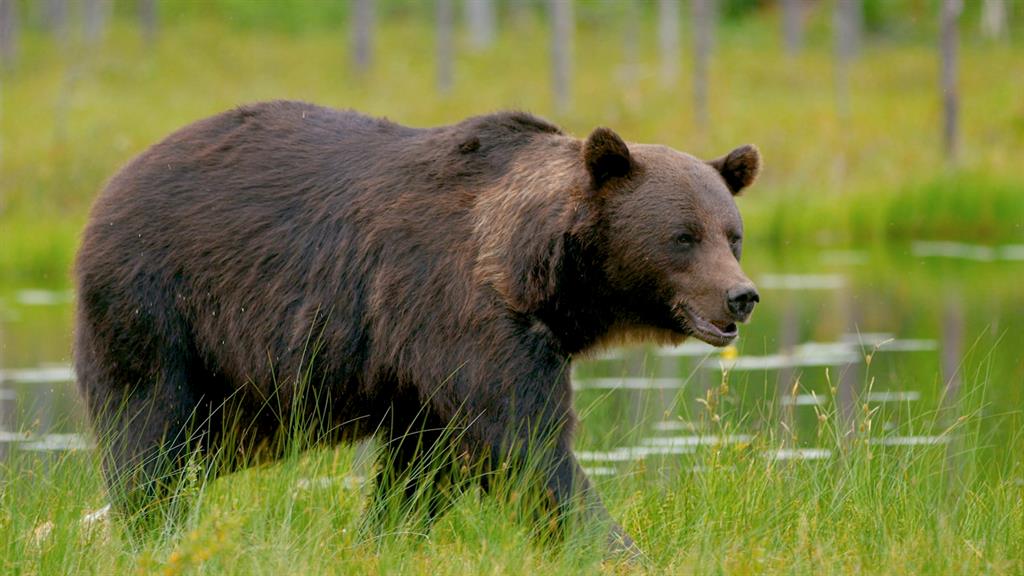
(448, 274)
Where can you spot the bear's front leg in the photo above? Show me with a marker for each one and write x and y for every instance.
(418, 477)
(518, 420)
(568, 485)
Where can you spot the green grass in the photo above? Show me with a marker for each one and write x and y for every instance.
(931, 509)
(72, 115)
(953, 205)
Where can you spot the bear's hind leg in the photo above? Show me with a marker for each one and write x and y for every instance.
(154, 431)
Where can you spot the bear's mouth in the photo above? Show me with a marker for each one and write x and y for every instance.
(695, 325)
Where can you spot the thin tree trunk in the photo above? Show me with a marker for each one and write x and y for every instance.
(362, 35)
(8, 33)
(703, 36)
(95, 18)
(519, 11)
(8, 46)
(789, 337)
(793, 25)
(62, 105)
(850, 378)
(7, 409)
(950, 97)
(561, 52)
(636, 363)
(7, 412)
(952, 349)
(847, 21)
(480, 16)
(57, 18)
(631, 44)
(668, 40)
(445, 50)
(994, 19)
(850, 21)
(951, 409)
(148, 15)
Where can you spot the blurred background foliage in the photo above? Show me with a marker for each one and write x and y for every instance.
(882, 123)
(851, 127)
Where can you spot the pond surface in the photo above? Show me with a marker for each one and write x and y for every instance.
(916, 338)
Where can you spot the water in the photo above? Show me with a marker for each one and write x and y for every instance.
(908, 336)
(914, 340)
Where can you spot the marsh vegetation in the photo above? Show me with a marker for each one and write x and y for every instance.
(869, 420)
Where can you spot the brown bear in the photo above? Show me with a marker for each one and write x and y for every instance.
(446, 276)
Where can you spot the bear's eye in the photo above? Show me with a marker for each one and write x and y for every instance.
(686, 240)
(736, 244)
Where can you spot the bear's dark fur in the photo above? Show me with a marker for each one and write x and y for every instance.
(446, 274)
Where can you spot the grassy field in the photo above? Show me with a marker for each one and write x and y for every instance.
(731, 508)
(72, 114)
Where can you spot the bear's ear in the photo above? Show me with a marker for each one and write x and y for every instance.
(606, 157)
(739, 168)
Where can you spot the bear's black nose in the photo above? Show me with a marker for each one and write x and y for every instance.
(741, 300)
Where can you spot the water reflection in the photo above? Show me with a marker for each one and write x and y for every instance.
(41, 375)
(864, 342)
(799, 454)
(960, 250)
(801, 282)
(50, 442)
(36, 297)
(838, 333)
(909, 440)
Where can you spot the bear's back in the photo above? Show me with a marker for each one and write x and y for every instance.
(274, 211)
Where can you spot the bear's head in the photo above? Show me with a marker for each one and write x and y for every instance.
(672, 235)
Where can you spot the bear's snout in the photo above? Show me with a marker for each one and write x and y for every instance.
(741, 300)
